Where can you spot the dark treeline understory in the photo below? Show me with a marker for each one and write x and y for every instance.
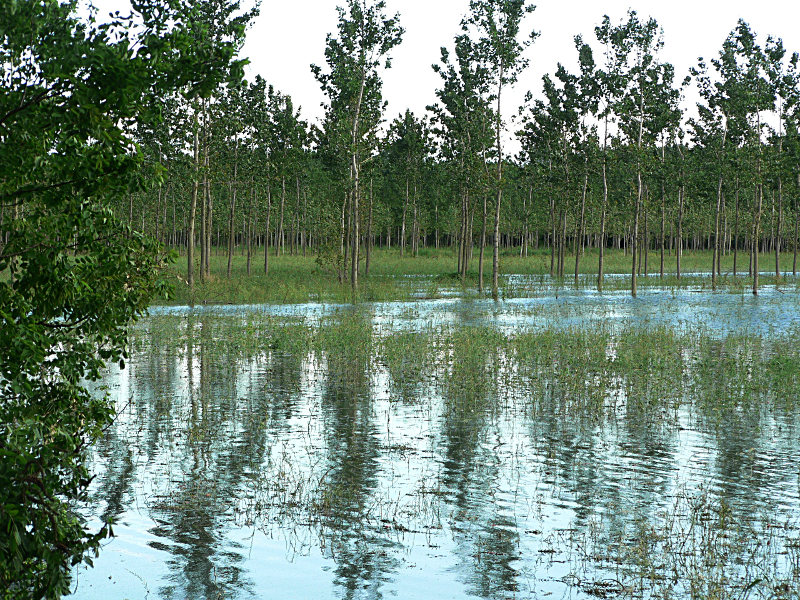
(610, 156)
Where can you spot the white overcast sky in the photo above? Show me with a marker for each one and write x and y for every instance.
(289, 35)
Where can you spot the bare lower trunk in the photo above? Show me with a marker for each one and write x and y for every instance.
(403, 222)
(679, 240)
(736, 234)
(562, 253)
(715, 254)
(266, 230)
(778, 230)
(483, 246)
(554, 228)
(757, 235)
(193, 210)
(354, 227)
(663, 227)
(579, 229)
(635, 234)
(496, 246)
(233, 208)
(279, 232)
(369, 232)
(462, 234)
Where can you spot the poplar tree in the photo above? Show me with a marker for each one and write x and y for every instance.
(644, 80)
(461, 121)
(497, 24)
(353, 85)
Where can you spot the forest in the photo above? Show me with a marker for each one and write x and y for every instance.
(611, 157)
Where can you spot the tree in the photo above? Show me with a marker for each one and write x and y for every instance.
(353, 86)
(497, 24)
(641, 101)
(408, 146)
(72, 275)
(217, 29)
(462, 118)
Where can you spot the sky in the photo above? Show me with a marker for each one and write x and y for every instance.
(289, 35)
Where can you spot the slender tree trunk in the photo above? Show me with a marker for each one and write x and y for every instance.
(646, 244)
(204, 223)
(554, 229)
(601, 254)
(415, 226)
(209, 213)
(403, 222)
(436, 217)
(496, 250)
(355, 173)
(234, 187)
(193, 209)
(279, 232)
(209, 226)
(250, 225)
(483, 245)
(663, 228)
(461, 238)
(266, 230)
(778, 230)
(715, 254)
(579, 230)
(757, 234)
(369, 232)
(304, 231)
(348, 217)
(796, 227)
(354, 227)
(562, 256)
(736, 233)
(635, 234)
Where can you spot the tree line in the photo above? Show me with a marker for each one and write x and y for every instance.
(610, 155)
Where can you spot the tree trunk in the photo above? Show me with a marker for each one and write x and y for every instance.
(279, 232)
(601, 254)
(354, 227)
(496, 251)
(266, 231)
(635, 235)
(579, 229)
(233, 206)
(250, 225)
(369, 232)
(736, 233)
(715, 254)
(663, 228)
(778, 230)
(757, 234)
(483, 245)
(403, 222)
(193, 210)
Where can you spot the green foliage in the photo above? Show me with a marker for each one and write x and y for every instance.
(72, 275)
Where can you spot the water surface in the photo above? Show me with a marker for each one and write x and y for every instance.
(564, 445)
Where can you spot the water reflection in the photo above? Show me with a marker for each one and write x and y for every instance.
(374, 452)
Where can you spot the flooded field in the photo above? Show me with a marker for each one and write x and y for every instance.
(563, 445)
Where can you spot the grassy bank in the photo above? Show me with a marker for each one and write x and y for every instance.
(296, 279)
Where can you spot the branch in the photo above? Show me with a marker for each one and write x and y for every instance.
(44, 188)
(25, 105)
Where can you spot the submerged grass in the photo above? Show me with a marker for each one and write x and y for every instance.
(687, 543)
(300, 279)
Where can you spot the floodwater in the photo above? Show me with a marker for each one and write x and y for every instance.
(567, 445)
